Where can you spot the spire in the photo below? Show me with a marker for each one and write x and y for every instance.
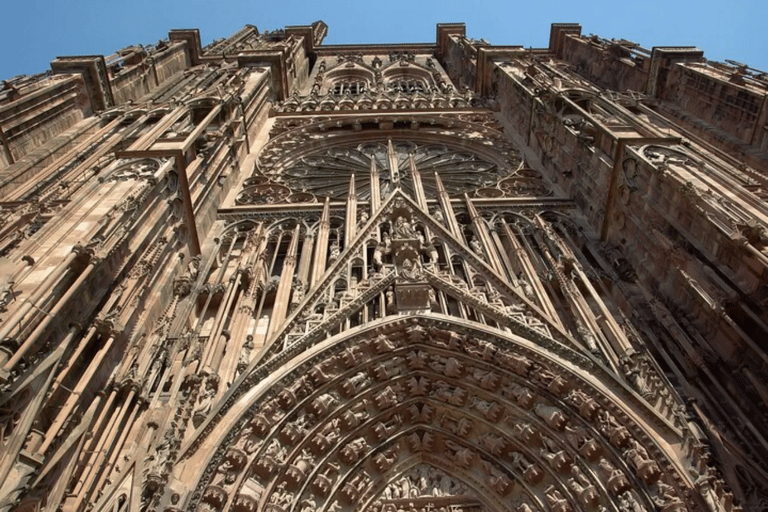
(418, 187)
(445, 203)
(321, 243)
(394, 167)
(375, 187)
(350, 228)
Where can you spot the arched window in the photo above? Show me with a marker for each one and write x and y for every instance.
(351, 86)
(406, 85)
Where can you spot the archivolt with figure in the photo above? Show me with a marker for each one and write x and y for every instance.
(420, 409)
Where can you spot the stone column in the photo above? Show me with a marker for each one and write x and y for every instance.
(8, 458)
(74, 395)
(537, 292)
(418, 186)
(445, 203)
(50, 317)
(375, 188)
(351, 228)
(102, 451)
(321, 243)
(484, 236)
(284, 287)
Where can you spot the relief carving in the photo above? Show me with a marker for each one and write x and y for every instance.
(552, 415)
(615, 480)
(491, 410)
(645, 467)
(497, 479)
(353, 450)
(460, 455)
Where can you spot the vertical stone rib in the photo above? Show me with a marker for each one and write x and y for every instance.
(375, 187)
(530, 275)
(321, 243)
(445, 203)
(284, 287)
(481, 230)
(351, 227)
(418, 186)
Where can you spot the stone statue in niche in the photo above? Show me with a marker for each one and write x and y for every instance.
(523, 396)
(382, 249)
(615, 479)
(460, 455)
(308, 504)
(524, 432)
(448, 366)
(280, 497)
(403, 230)
(665, 498)
(412, 271)
(388, 369)
(485, 378)
(586, 405)
(583, 488)
(248, 441)
(482, 349)
(244, 359)
(382, 343)
(646, 468)
(494, 444)
(335, 252)
(617, 434)
(476, 246)
(579, 439)
(628, 503)
(276, 451)
(587, 337)
(519, 364)
(523, 506)
(557, 458)
(355, 384)
(556, 501)
(384, 460)
(355, 415)
(204, 404)
(456, 424)
(386, 398)
(552, 415)
(525, 286)
(491, 410)
(444, 392)
(531, 472)
(497, 479)
(353, 450)
(162, 452)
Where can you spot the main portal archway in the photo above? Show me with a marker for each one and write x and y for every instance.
(428, 412)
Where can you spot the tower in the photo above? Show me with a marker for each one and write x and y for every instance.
(268, 274)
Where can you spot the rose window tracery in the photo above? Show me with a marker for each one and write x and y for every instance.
(327, 174)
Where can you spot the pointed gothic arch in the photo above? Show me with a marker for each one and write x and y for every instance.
(507, 417)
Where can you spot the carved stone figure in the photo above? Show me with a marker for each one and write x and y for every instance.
(290, 276)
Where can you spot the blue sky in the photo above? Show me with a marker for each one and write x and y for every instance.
(33, 32)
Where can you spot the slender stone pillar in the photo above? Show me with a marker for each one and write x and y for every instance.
(284, 287)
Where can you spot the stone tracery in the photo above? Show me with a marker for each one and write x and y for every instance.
(335, 283)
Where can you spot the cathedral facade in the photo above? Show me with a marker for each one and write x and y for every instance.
(274, 275)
